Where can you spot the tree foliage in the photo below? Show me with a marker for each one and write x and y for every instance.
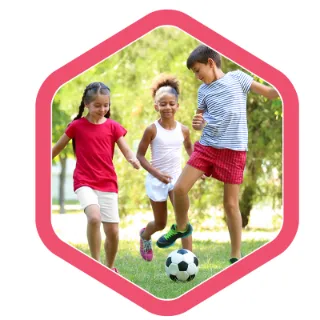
(129, 74)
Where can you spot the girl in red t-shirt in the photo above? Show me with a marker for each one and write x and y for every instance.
(95, 181)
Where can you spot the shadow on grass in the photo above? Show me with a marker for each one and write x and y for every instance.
(150, 276)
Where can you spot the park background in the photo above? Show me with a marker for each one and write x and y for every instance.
(45, 285)
(129, 74)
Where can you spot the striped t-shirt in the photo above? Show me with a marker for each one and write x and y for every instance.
(224, 102)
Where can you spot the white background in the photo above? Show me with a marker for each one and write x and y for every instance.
(39, 37)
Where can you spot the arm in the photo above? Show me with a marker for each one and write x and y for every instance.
(127, 152)
(198, 123)
(264, 90)
(187, 141)
(60, 145)
(147, 137)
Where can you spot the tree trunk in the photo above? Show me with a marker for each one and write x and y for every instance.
(249, 192)
(62, 179)
(246, 204)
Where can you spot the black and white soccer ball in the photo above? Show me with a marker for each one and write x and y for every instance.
(182, 265)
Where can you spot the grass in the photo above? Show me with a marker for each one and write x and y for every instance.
(151, 276)
(56, 201)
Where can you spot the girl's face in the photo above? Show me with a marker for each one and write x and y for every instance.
(99, 107)
(167, 106)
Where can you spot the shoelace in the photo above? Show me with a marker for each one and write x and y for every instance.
(146, 245)
(170, 234)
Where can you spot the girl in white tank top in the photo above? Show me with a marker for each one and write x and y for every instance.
(166, 149)
(165, 137)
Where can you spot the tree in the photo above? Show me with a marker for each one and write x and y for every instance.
(129, 74)
(59, 121)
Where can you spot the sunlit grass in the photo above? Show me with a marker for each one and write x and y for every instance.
(213, 258)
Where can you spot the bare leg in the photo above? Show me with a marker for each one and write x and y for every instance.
(234, 220)
(93, 230)
(186, 242)
(160, 213)
(111, 243)
(185, 182)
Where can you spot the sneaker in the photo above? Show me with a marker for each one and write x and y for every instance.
(145, 247)
(115, 270)
(168, 239)
(233, 260)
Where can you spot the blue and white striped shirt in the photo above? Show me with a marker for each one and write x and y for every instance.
(224, 102)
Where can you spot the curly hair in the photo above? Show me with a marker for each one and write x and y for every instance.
(164, 80)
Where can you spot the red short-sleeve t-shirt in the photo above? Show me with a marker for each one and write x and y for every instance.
(94, 152)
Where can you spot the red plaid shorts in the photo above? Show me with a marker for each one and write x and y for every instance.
(225, 165)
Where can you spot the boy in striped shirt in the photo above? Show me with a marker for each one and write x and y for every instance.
(221, 151)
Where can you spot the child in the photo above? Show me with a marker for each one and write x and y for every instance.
(95, 181)
(221, 151)
(165, 136)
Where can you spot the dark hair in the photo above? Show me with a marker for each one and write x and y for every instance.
(163, 80)
(201, 54)
(89, 94)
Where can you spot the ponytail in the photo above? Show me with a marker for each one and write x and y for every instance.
(78, 116)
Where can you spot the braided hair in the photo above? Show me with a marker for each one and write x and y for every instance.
(89, 94)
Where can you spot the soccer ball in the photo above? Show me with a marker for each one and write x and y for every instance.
(182, 265)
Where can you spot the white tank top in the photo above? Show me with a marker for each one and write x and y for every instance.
(166, 149)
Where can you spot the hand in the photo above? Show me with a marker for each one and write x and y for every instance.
(163, 177)
(135, 163)
(198, 122)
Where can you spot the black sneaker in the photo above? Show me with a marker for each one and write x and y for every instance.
(233, 260)
(168, 239)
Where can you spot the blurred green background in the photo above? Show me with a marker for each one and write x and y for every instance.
(129, 74)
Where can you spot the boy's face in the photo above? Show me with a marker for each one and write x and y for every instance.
(204, 72)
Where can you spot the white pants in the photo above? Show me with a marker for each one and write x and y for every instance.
(107, 202)
(158, 191)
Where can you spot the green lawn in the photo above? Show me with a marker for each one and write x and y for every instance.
(56, 202)
(151, 276)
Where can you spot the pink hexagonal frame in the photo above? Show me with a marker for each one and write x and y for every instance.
(290, 161)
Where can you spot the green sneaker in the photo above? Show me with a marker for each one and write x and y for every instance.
(168, 239)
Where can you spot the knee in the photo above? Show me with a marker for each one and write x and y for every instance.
(94, 220)
(231, 207)
(179, 190)
(160, 225)
(93, 215)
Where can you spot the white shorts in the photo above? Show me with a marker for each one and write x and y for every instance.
(107, 202)
(158, 191)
